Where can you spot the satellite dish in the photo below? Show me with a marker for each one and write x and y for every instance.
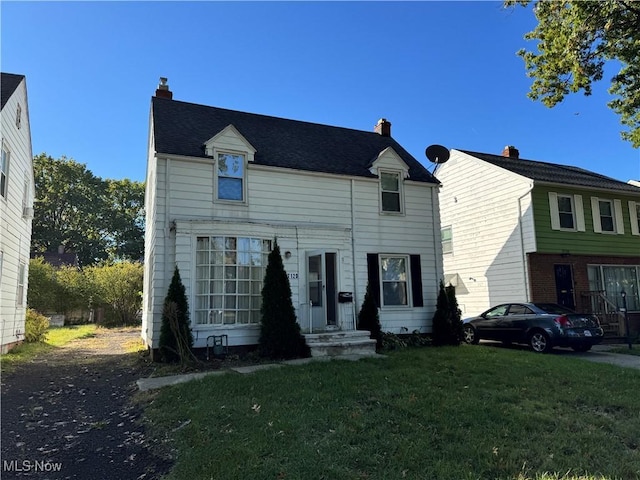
(437, 153)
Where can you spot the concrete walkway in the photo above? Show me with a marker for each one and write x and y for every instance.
(152, 383)
(602, 354)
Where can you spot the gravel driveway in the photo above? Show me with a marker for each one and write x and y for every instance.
(68, 414)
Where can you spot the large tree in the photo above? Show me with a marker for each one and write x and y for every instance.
(98, 219)
(576, 39)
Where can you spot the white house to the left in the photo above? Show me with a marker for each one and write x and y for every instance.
(16, 209)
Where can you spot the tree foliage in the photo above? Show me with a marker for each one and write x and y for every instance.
(118, 287)
(575, 40)
(369, 319)
(175, 311)
(56, 290)
(95, 218)
(280, 336)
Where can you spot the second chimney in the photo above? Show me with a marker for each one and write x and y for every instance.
(511, 152)
(383, 127)
(163, 89)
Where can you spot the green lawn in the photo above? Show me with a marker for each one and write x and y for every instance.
(56, 337)
(472, 412)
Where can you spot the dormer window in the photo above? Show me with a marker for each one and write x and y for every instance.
(390, 192)
(230, 176)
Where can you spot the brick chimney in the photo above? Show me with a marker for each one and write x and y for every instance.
(383, 127)
(163, 89)
(511, 152)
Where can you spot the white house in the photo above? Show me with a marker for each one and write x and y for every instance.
(347, 207)
(525, 230)
(16, 208)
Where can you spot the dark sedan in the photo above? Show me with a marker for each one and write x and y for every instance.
(540, 325)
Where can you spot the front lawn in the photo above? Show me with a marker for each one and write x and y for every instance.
(473, 412)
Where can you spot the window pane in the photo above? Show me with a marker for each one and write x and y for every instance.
(229, 188)
(216, 317)
(243, 244)
(606, 216)
(566, 220)
(243, 317)
(255, 302)
(230, 165)
(395, 293)
(244, 302)
(256, 288)
(202, 243)
(230, 302)
(217, 243)
(229, 318)
(390, 202)
(393, 268)
(243, 287)
(389, 182)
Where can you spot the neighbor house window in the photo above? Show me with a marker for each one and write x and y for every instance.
(21, 281)
(390, 191)
(566, 212)
(394, 279)
(447, 240)
(613, 280)
(229, 275)
(4, 170)
(607, 215)
(230, 176)
(634, 217)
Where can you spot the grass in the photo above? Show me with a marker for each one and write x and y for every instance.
(431, 413)
(634, 350)
(56, 337)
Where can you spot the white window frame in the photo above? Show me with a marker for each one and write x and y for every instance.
(616, 211)
(407, 281)
(634, 217)
(216, 298)
(633, 295)
(4, 171)
(22, 269)
(399, 192)
(217, 176)
(447, 245)
(577, 211)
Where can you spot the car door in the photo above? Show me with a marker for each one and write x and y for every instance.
(488, 326)
(514, 325)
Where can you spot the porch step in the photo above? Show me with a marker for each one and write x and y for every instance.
(330, 344)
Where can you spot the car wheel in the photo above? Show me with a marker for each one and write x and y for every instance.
(582, 348)
(539, 342)
(469, 335)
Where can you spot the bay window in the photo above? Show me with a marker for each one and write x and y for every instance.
(229, 276)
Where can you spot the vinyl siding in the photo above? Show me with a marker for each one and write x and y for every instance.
(15, 229)
(306, 212)
(586, 242)
(489, 211)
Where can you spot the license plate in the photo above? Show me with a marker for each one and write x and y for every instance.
(587, 333)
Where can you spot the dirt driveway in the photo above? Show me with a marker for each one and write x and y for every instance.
(68, 414)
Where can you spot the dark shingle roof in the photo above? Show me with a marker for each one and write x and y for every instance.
(8, 84)
(182, 128)
(555, 173)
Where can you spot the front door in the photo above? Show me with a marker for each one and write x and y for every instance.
(564, 286)
(321, 280)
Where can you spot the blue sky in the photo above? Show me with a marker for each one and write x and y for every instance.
(440, 72)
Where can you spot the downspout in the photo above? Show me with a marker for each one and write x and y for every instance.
(523, 257)
(436, 223)
(353, 253)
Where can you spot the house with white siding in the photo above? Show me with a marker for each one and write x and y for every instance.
(16, 208)
(524, 230)
(346, 206)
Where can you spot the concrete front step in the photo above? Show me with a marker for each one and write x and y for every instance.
(331, 344)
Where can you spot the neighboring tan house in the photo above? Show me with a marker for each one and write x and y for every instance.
(523, 230)
(346, 206)
(16, 208)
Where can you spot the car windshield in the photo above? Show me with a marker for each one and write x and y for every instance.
(553, 308)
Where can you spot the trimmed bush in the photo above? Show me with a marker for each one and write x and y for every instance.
(447, 323)
(173, 340)
(369, 319)
(280, 336)
(35, 327)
